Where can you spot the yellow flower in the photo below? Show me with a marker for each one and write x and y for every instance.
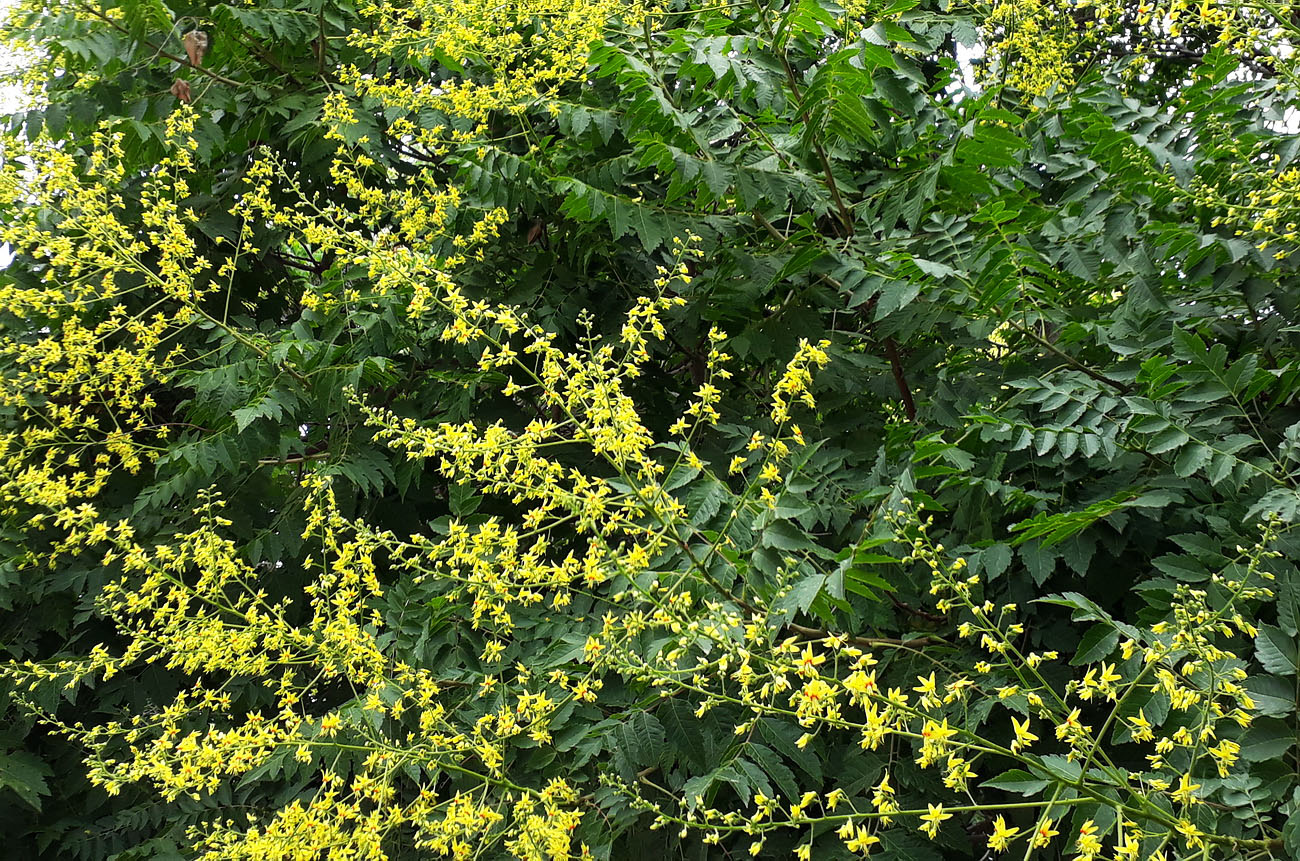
(932, 819)
(862, 685)
(492, 651)
(1071, 726)
(1044, 833)
(1185, 793)
(1225, 754)
(959, 772)
(1088, 844)
(862, 841)
(1002, 835)
(1193, 835)
(1024, 737)
(809, 661)
(1141, 727)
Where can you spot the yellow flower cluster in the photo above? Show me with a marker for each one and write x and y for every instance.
(194, 605)
(509, 55)
(1039, 45)
(622, 541)
(1256, 199)
(112, 298)
(724, 654)
(794, 383)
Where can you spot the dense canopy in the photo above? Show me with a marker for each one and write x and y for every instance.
(620, 429)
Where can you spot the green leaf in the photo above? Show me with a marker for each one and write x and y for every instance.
(755, 779)
(698, 788)
(800, 597)
(784, 535)
(1273, 696)
(1018, 781)
(1267, 739)
(784, 737)
(1061, 768)
(1039, 560)
(1288, 603)
(463, 500)
(772, 765)
(640, 737)
(995, 560)
(24, 774)
(1167, 440)
(861, 582)
(1096, 644)
(894, 296)
(1184, 568)
(1192, 459)
(1291, 835)
(1277, 651)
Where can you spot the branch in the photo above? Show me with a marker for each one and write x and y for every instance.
(1124, 388)
(846, 217)
(891, 348)
(305, 458)
(290, 260)
(819, 634)
(917, 611)
(157, 49)
(775, 234)
(904, 390)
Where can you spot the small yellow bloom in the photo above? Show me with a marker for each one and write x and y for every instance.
(1044, 833)
(1002, 835)
(862, 841)
(1024, 737)
(1088, 844)
(933, 818)
(1185, 793)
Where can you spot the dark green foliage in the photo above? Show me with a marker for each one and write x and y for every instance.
(1037, 334)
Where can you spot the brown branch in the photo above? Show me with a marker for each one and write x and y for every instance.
(1123, 388)
(158, 51)
(266, 57)
(284, 461)
(767, 225)
(917, 611)
(845, 216)
(904, 391)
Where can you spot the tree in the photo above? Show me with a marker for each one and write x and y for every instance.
(548, 429)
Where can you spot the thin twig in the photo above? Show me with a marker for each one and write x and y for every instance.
(159, 52)
(900, 380)
(1124, 388)
(819, 634)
